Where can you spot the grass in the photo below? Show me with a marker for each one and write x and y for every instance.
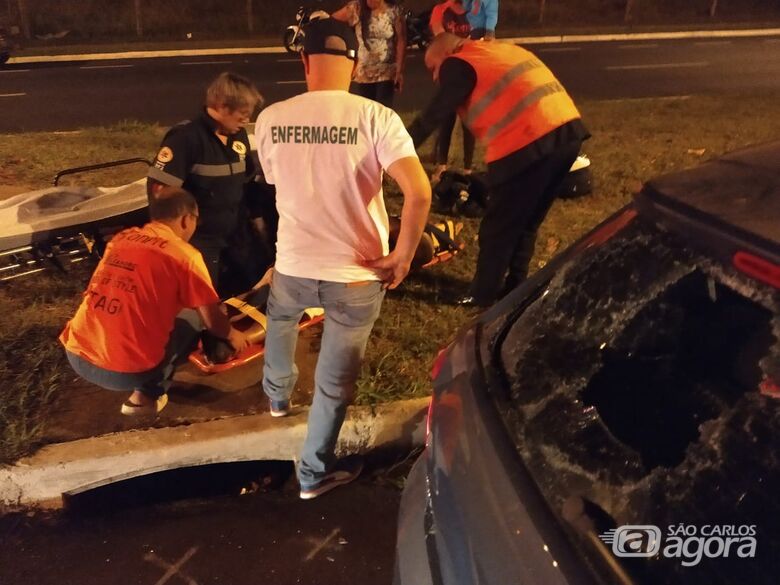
(34, 158)
(633, 140)
(32, 365)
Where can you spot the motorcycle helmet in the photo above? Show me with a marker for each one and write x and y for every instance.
(578, 181)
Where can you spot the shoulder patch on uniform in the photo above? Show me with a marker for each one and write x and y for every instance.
(239, 147)
(165, 155)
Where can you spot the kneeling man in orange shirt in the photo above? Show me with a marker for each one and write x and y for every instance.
(145, 306)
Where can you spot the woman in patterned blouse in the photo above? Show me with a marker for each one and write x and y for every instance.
(381, 33)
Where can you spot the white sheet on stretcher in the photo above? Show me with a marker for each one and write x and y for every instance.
(55, 208)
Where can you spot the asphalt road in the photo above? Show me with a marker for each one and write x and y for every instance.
(131, 536)
(65, 96)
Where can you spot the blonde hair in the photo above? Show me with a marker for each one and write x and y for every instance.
(233, 91)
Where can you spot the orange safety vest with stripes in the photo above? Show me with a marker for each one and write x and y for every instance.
(516, 100)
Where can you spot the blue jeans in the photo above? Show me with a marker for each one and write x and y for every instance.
(156, 381)
(350, 313)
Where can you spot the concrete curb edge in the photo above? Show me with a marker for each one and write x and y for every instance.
(692, 34)
(64, 469)
(144, 55)
(566, 38)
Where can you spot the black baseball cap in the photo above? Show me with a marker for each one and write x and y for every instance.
(330, 37)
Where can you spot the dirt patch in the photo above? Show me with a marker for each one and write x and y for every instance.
(85, 410)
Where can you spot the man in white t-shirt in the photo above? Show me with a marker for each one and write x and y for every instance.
(326, 151)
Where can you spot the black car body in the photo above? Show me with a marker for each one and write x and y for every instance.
(631, 382)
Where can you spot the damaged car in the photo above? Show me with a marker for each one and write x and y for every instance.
(616, 419)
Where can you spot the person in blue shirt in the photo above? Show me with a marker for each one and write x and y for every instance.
(483, 17)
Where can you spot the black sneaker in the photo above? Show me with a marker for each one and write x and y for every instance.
(345, 471)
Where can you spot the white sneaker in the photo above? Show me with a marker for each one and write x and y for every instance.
(151, 409)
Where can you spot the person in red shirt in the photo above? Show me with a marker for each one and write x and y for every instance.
(450, 16)
(136, 321)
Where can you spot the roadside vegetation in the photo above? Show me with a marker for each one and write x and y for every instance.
(633, 140)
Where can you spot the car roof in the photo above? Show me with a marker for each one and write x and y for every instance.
(734, 197)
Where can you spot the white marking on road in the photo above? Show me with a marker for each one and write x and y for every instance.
(669, 98)
(656, 66)
(206, 63)
(321, 545)
(290, 82)
(15, 71)
(12, 94)
(172, 570)
(106, 66)
(711, 43)
(559, 49)
(642, 46)
(149, 54)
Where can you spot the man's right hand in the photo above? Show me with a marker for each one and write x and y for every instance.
(414, 184)
(392, 269)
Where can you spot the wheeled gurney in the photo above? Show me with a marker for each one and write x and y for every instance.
(62, 225)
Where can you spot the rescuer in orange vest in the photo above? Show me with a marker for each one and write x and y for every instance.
(532, 133)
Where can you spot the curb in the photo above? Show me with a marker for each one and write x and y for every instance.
(692, 34)
(60, 470)
(550, 39)
(144, 55)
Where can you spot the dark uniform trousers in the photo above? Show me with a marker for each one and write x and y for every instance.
(211, 250)
(379, 91)
(516, 209)
(237, 264)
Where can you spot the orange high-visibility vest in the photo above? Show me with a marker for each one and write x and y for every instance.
(517, 99)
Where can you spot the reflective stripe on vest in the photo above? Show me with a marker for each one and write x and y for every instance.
(164, 178)
(487, 99)
(516, 99)
(219, 170)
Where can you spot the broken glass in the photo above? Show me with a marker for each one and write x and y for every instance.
(634, 384)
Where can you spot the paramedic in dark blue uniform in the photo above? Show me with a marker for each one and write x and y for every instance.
(210, 157)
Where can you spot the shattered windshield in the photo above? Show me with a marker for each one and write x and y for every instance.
(635, 398)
